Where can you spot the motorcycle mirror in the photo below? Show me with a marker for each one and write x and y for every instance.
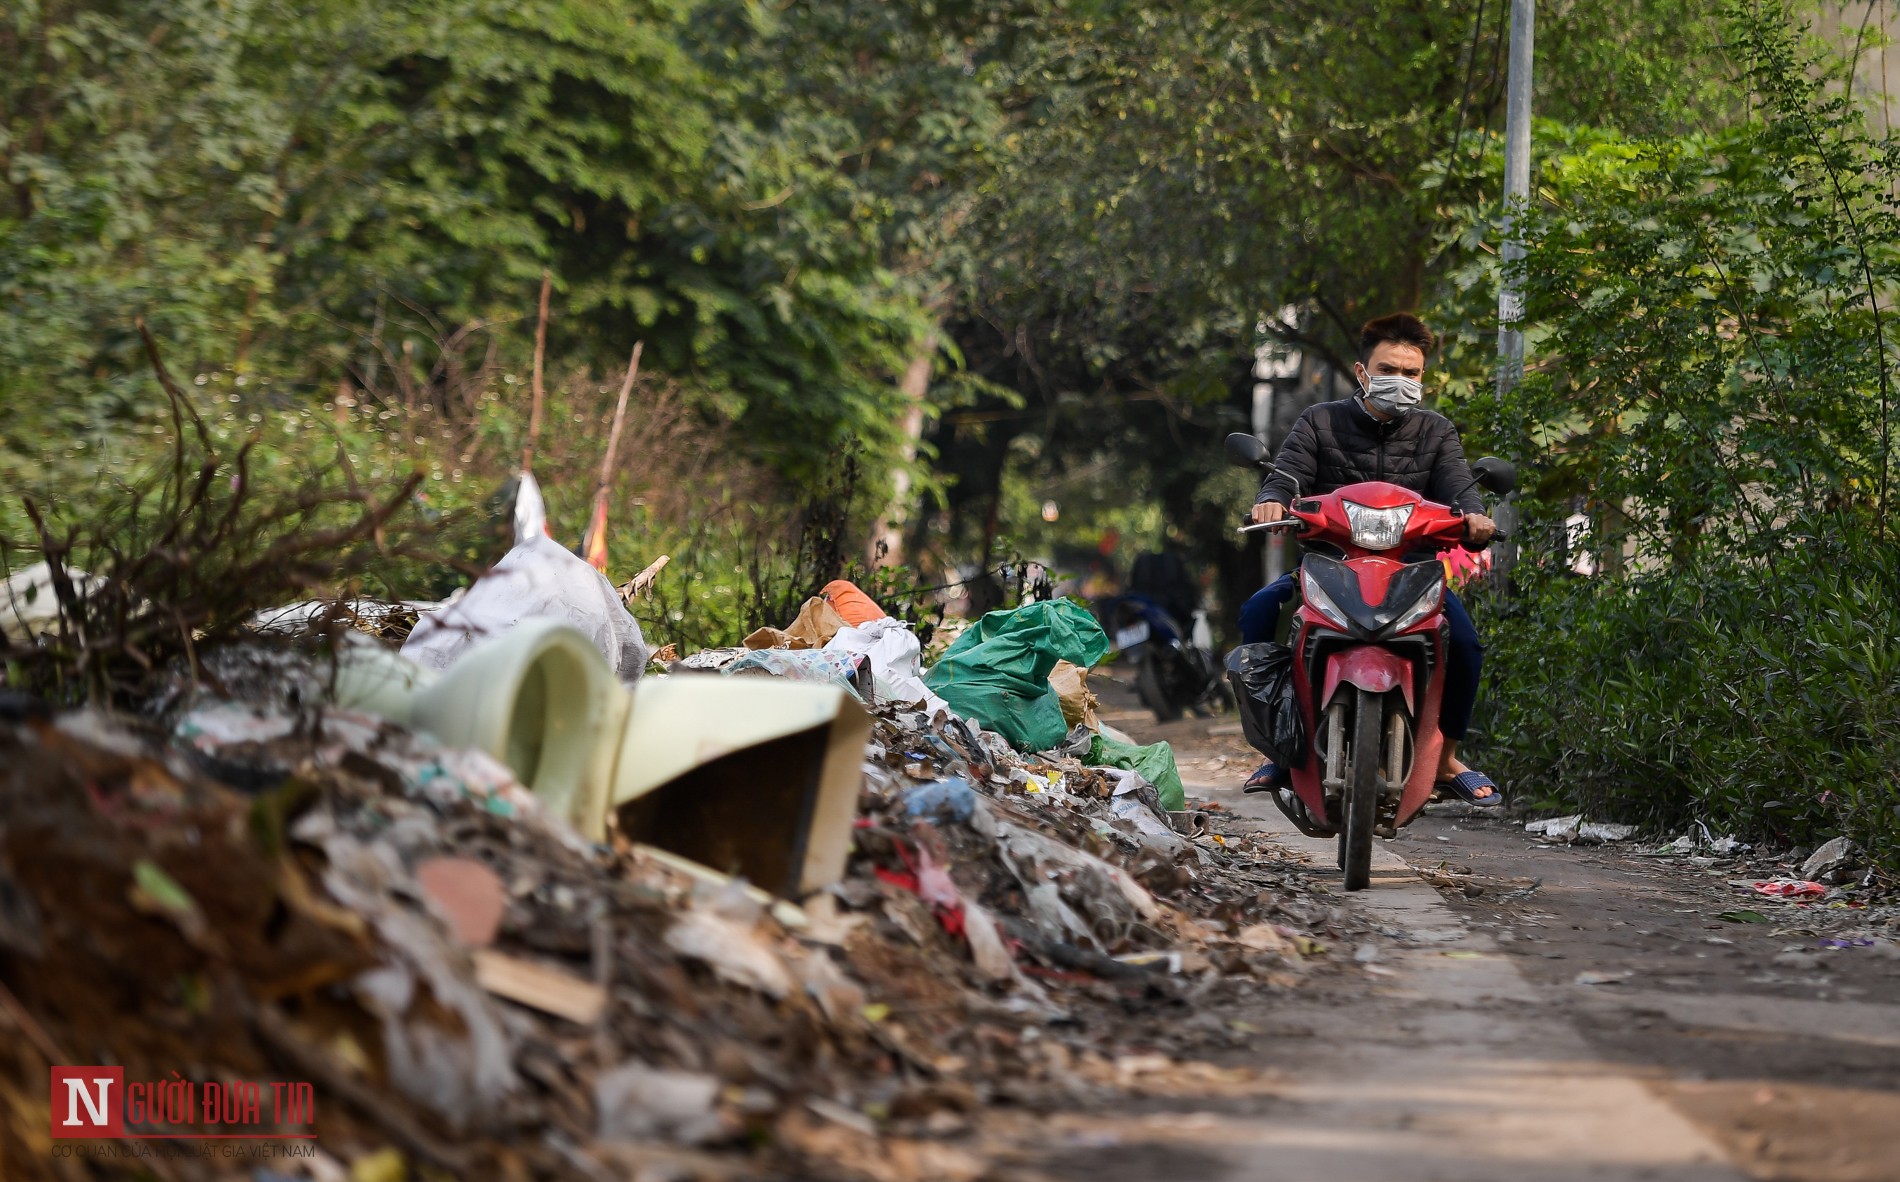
(1495, 475)
(1245, 451)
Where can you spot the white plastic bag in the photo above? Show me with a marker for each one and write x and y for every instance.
(28, 604)
(537, 579)
(895, 660)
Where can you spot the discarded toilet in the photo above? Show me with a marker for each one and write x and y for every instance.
(751, 777)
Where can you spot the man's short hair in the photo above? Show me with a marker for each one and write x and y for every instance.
(1400, 328)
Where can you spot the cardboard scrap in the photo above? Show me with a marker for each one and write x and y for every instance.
(539, 987)
(1071, 682)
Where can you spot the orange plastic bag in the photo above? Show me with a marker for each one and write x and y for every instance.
(852, 604)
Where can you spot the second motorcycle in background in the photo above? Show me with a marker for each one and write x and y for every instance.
(1176, 669)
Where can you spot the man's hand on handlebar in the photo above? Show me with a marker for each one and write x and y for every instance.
(1479, 529)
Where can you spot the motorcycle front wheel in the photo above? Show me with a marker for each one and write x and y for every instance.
(1364, 784)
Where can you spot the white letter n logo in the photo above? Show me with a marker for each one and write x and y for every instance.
(77, 1094)
(92, 1102)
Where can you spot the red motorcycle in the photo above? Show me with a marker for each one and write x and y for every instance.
(1349, 705)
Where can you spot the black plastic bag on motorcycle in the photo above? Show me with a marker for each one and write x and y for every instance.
(1262, 677)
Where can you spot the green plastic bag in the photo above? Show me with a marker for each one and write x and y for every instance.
(1155, 762)
(997, 673)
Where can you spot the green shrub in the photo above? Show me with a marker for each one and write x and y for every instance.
(1762, 703)
(1710, 423)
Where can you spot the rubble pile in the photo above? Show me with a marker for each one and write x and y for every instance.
(276, 888)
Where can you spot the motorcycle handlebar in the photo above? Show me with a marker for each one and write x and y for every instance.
(1283, 523)
(1295, 523)
(1499, 536)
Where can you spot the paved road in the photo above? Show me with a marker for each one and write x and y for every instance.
(1455, 1072)
(1603, 1025)
(1446, 1070)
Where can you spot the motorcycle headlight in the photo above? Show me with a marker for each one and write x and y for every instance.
(1377, 529)
(1320, 601)
(1423, 606)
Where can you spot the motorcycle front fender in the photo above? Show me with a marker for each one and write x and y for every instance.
(1370, 667)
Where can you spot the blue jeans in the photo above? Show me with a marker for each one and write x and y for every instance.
(1260, 617)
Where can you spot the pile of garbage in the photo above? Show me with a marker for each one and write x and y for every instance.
(517, 953)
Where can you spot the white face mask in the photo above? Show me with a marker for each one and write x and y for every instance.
(1393, 393)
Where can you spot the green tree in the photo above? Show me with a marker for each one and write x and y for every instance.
(1715, 390)
(1185, 183)
(302, 194)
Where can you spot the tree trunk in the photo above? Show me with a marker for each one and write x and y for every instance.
(886, 546)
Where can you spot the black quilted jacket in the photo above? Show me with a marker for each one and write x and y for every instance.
(1340, 443)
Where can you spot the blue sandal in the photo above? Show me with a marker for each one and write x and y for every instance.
(1265, 778)
(1466, 785)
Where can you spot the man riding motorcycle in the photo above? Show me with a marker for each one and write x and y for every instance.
(1384, 434)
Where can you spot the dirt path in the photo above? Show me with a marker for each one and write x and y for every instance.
(1542, 1013)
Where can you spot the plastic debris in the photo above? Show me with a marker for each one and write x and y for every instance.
(1053, 857)
(1136, 801)
(1575, 830)
(709, 660)
(1833, 862)
(847, 671)
(446, 1045)
(951, 799)
(997, 672)
(235, 744)
(1555, 828)
(29, 605)
(1155, 762)
(1789, 888)
(853, 606)
(894, 654)
(472, 980)
(1597, 831)
(371, 616)
(1262, 674)
(1687, 845)
(537, 579)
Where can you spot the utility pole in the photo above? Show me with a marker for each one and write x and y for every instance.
(1517, 191)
